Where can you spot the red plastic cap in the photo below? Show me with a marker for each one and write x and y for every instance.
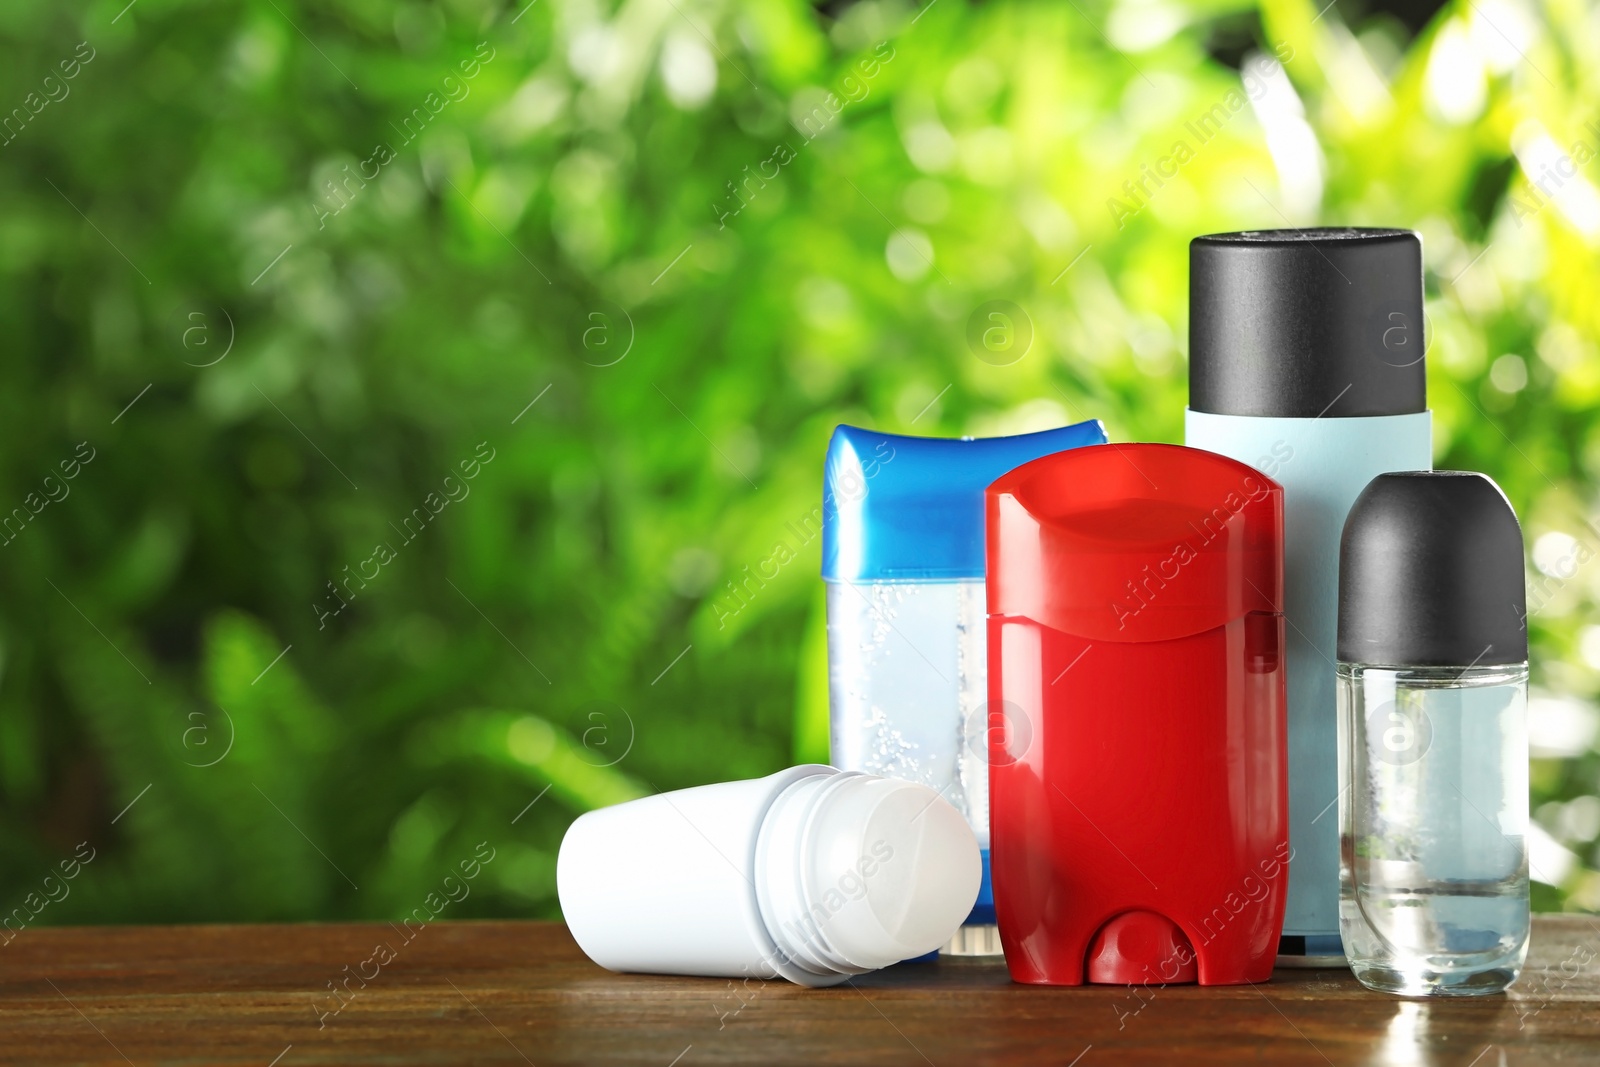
(1140, 947)
(1137, 542)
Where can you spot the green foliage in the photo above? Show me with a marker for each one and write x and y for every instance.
(444, 364)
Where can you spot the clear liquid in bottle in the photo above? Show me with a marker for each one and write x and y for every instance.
(1433, 810)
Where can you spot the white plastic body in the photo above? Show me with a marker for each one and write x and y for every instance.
(1323, 464)
(908, 686)
(662, 884)
(810, 874)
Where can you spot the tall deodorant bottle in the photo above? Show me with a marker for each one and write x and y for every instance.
(1306, 361)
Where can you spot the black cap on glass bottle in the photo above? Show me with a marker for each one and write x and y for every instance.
(1306, 323)
(1431, 574)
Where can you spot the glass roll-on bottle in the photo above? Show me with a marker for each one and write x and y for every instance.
(1433, 739)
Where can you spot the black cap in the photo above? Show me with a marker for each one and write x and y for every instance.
(1431, 573)
(1306, 323)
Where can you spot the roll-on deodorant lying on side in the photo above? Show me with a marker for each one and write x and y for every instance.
(1306, 361)
(810, 874)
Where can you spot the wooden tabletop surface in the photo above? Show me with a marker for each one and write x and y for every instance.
(521, 992)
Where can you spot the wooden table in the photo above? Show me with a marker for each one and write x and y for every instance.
(518, 993)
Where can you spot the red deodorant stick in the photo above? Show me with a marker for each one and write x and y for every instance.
(1137, 741)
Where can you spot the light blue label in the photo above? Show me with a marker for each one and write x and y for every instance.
(1322, 464)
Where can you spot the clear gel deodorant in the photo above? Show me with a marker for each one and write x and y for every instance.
(1433, 746)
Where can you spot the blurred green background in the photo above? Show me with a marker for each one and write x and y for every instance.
(393, 392)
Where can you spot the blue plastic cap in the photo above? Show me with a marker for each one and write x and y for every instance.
(897, 507)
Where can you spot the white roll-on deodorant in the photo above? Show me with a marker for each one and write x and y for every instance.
(811, 874)
(1306, 361)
